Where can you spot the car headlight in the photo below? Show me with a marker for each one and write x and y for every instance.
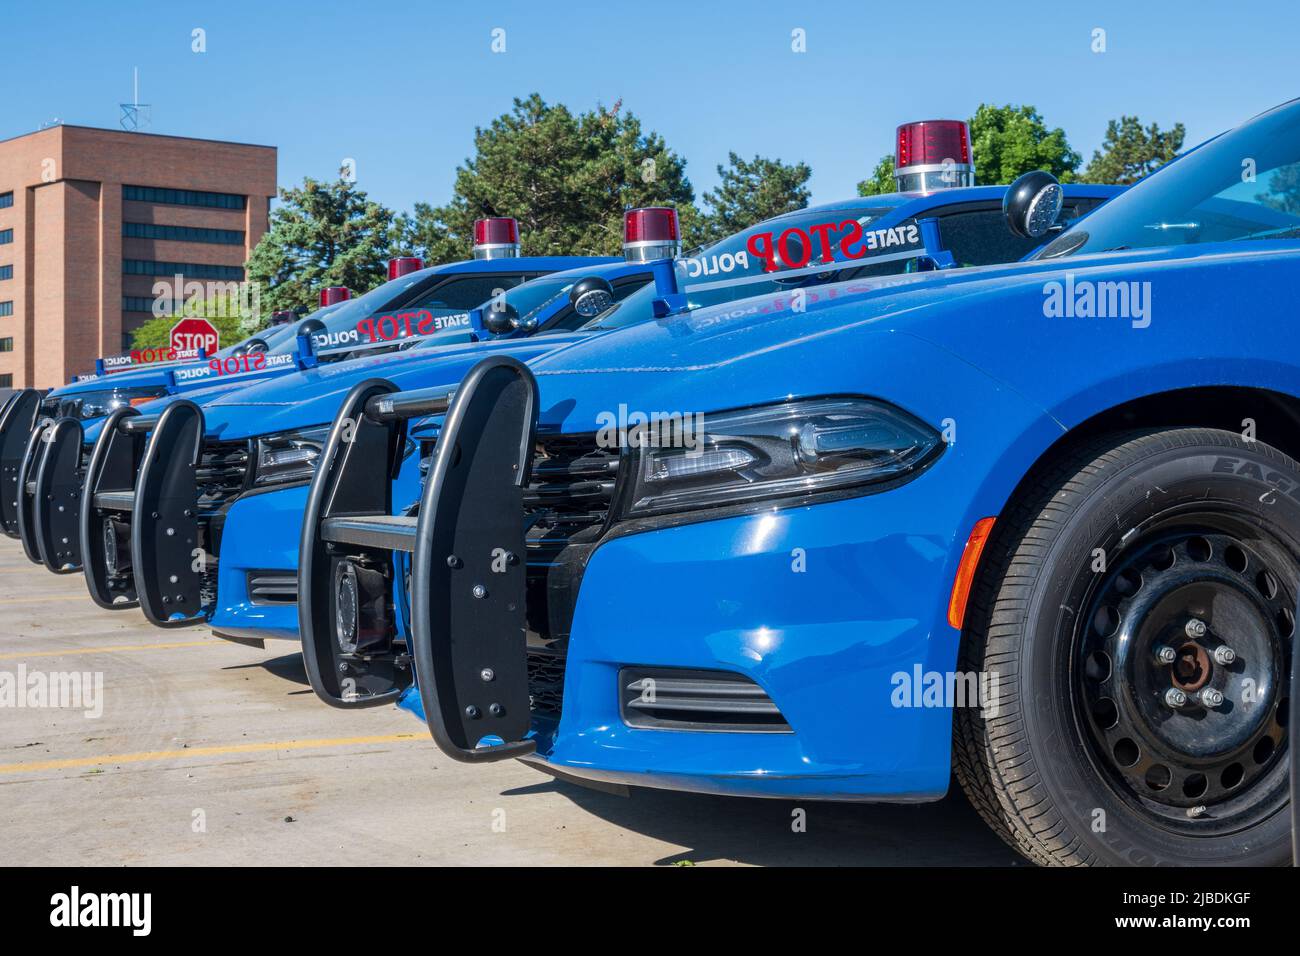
(87, 405)
(792, 450)
(289, 456)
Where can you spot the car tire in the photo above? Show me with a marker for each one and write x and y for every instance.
(1115, 555)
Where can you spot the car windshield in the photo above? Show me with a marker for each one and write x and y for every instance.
(1243, 185)
(792, 253)
(526, 299)
(532, 297)
(345, 316)
(272, 335)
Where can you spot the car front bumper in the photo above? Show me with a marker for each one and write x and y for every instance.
(835, 611)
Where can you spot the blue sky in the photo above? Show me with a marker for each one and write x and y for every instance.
(400, 87)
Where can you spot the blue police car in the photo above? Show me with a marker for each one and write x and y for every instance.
(251, 591)
(1038, 522)
(114, 536)
(47, 478)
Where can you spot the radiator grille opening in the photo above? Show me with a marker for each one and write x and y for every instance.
(566, 507)
(222, 473)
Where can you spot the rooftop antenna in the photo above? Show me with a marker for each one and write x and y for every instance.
(135, 115)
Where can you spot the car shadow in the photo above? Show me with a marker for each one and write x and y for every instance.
(764, 833)
(289, 667)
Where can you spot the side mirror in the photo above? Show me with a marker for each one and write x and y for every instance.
(591, 296)
(255, 345)
(1032, 204)
(311, 327)
(500, 317)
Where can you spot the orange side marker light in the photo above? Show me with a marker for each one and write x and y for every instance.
(970, 560)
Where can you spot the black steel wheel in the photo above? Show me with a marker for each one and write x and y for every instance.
(1137, 603)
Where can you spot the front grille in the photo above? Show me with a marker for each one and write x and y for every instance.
(566, 507)
(221, 476)
(545, 681)
(569, 496)
(272, 587)
(668, 698)
(222, 473)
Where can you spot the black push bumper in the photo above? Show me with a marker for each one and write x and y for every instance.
(52, 476)
(18, 419)
(108, 508)
(139, 520)
(467, 569)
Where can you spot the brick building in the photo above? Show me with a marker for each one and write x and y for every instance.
(90, 219)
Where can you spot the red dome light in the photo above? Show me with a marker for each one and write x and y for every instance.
(403, 265)
(332, 295)
(933, 154)
(496, 238)
(651, 232)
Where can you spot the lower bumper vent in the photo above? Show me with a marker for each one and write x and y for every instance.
(666, 698)
(273, 587)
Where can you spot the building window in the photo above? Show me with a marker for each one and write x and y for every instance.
(6, 308)
(6, 199)
(7, 344)
(183, 197)
(6, 381)
(148, 230)
(137, 303)
(6, 236)
(6, 272)
(191, 270)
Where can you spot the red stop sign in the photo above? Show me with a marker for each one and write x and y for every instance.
(195, 334)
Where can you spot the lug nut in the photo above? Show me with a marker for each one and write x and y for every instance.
(1211, 697)
(1195, 628)
(1223, 654)
(1165, 654)
(472, 712)
(487, 674)
(1175, 698)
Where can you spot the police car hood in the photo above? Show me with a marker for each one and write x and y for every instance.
(199, 396)
(138, 378)
(313, 396)
(818, 341)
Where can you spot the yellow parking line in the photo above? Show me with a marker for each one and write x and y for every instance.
(68, 652)
(37, 599)
(204, 752)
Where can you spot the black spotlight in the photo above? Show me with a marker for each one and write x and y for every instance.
(117, 547)
(361, 619)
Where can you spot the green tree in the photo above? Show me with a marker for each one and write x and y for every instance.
(1009, 141)
(1130, 151)
(322, 234)
(223, 311)
(566, 177)
(750, 191)
(881, 180)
